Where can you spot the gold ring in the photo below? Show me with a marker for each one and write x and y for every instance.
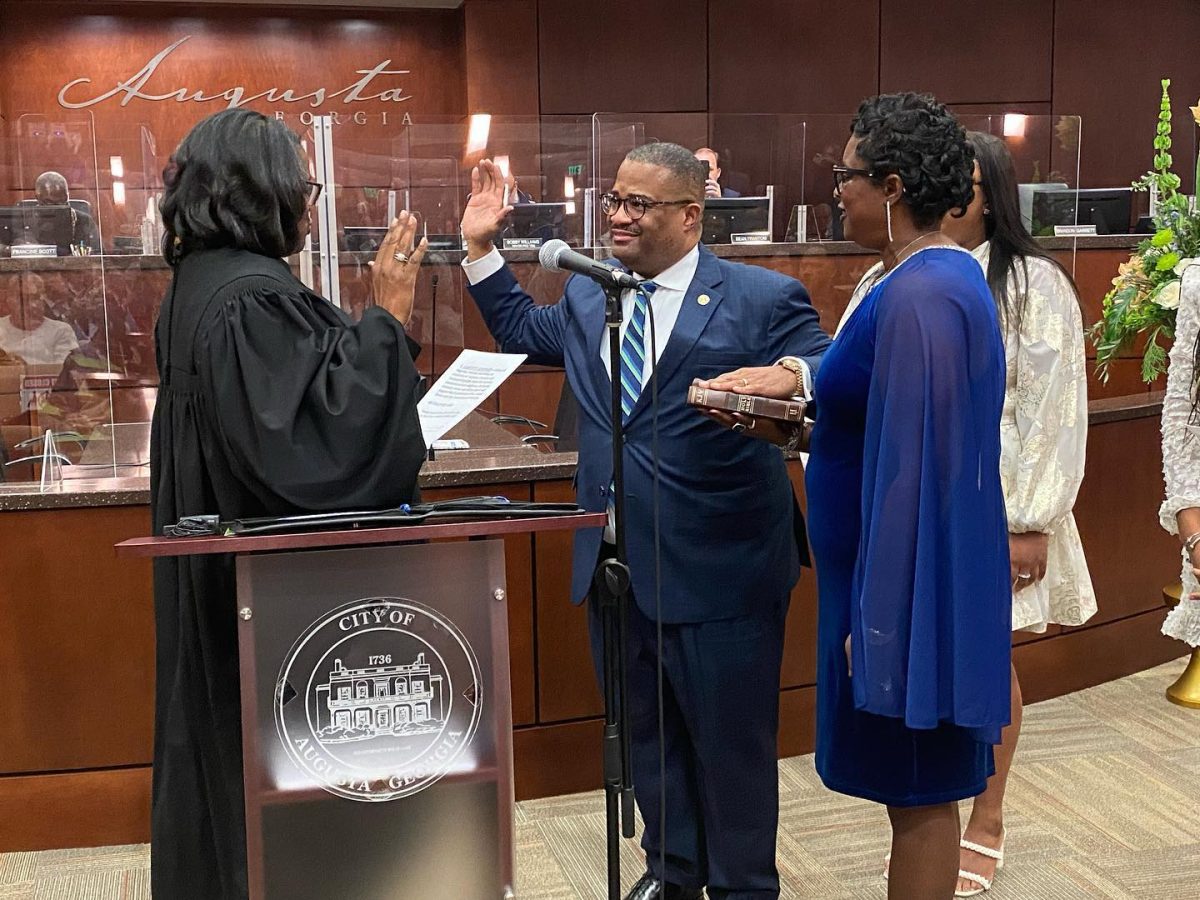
(400, 257)
(744, 382)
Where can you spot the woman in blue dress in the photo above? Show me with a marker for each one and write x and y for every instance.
(905, 508)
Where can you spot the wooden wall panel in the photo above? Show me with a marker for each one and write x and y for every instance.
(567, 686)
(70, 699)
(533, 392)
(791, 56)
(561, 759)
(304, 50)
(502, 56)
(76, 809)
(800, 647)
(967, 52)
(1130, 557)
(1085, 657)
(1096, 39)
(797, 721)
(610, 56)
(518, 573)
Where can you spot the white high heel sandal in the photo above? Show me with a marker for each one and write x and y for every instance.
(985, 884)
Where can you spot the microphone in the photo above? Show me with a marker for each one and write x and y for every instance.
(556, 256)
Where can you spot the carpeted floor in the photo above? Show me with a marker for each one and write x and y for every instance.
(1104, 802)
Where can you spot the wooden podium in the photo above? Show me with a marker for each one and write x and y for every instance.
(376, 717)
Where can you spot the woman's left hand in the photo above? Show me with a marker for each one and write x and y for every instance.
(1027, 558)
(396, 266)
(761, 381)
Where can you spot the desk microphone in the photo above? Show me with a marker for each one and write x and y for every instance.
(556, 256)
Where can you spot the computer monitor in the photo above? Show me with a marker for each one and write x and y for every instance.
(727, 216)
(535, 221)
(1108, 209)
(1025, 194)
(364, 237)
(74, 203)
(38, 225)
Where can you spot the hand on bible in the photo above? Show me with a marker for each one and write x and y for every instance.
(486, 210)
(396, 266)
(761, 381)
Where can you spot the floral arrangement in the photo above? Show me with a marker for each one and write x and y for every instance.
(1145, 293)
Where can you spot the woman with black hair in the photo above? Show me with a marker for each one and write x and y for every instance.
(905, 508)
(271, 402)
(1043, 438)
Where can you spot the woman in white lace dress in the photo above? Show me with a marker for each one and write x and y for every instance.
(1043, 434)
(1180, 512)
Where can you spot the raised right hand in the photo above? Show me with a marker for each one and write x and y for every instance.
(486, 210)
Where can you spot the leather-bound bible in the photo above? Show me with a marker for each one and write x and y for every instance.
(751, 405)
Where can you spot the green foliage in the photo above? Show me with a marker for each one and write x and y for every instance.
(1135, 305)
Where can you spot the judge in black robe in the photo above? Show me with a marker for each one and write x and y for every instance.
(271, 402)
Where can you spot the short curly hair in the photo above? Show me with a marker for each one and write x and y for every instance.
(915, 137)
(689, 172)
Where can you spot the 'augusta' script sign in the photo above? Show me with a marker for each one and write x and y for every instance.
(132, 89)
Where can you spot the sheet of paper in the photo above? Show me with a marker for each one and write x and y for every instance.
(462, 387)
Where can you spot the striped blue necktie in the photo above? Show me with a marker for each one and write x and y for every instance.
(633, 349)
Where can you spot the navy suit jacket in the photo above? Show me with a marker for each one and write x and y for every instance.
(728, 536)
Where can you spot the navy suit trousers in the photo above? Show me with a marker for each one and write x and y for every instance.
(720, 724)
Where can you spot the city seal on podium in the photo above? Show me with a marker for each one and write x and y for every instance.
(379, 699)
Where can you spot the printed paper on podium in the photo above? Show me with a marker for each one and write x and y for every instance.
(462, 387)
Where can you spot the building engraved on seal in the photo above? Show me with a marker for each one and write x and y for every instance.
(378, 699)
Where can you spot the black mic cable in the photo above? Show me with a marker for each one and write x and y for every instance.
(658, 623)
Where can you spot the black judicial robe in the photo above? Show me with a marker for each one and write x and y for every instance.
(271, 401)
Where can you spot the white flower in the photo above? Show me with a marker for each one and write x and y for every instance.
(1168, 295)
(1184, 263)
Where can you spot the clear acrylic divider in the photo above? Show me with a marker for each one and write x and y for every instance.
(425, 166)
(58, 368)
(757, 161)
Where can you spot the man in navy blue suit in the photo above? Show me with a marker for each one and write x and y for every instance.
(730, 535)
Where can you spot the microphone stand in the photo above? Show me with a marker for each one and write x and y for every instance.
(612, 581)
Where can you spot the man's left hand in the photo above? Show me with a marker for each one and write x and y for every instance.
(761, 381)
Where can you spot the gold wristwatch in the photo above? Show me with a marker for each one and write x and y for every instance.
(793, 365)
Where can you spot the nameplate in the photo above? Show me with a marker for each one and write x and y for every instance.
(1074, 230)
(751, 237)
(523, 243)
(28, 250)
(33, 389)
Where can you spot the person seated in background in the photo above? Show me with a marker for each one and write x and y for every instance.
(712, 187)
(31, 336)
(516, 196)
(51, 191)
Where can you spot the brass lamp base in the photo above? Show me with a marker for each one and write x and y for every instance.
(1186, 689)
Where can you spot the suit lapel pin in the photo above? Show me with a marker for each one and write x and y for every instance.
(703, 299)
